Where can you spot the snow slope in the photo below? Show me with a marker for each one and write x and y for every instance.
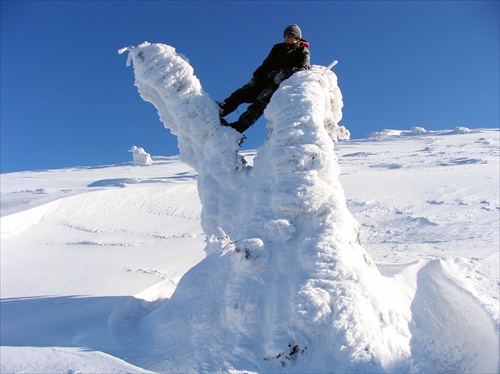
(91, 256)
(55, 320)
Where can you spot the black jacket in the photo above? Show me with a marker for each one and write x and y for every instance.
(289, 58)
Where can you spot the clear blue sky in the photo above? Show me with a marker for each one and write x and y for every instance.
(67, 98)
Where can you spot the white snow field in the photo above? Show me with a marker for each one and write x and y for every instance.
(305, 255)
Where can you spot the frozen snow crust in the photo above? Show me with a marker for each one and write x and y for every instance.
(286, 285)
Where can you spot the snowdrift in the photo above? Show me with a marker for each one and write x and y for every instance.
(286, 284)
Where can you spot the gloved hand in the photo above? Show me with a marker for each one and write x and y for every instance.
(280, 77)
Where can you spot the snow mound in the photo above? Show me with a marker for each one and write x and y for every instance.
(61, 360)
(286, 284)
(418, 131)
(446, 337)
(414, 131)
(141, 157)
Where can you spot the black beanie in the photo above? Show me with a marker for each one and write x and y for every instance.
(293, 30)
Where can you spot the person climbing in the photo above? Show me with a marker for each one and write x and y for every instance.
(283, 60)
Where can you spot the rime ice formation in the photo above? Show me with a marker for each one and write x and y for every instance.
(140, 156)
(286, 284)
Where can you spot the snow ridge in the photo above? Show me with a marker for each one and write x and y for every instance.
(286, 284)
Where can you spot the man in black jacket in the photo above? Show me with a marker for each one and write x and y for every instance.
(283, 60)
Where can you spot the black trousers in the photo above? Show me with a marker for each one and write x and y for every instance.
(258, 93)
